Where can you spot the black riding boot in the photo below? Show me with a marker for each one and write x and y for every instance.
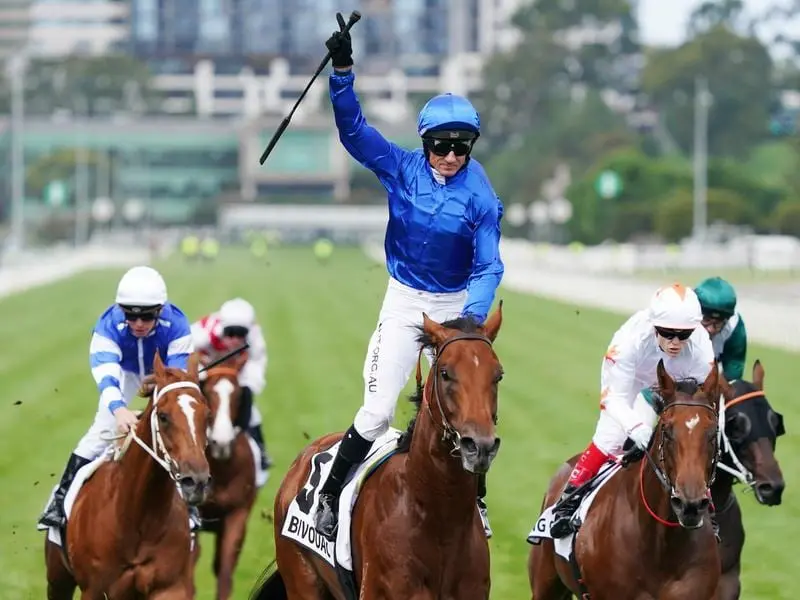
(352, 451)
(243, 422)
(258, 437)
(563, 513)
(53, 515)
(482, 509)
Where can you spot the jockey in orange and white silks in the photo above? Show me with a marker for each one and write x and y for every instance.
(669, 330)
(229, 328)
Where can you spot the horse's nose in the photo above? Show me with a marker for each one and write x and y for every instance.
(770, 492)
(477, 453)
(690, 508)
(194, 485)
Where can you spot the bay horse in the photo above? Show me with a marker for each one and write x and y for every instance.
(128, 531)
(233, 471)
(751, 429)
(416, 531)
(630, 546)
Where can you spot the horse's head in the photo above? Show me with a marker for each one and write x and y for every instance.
(221, 387)
(462, 386)
(751, 431)
(687, 443)
(178, 420)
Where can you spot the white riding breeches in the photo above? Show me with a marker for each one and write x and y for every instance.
(393, 350)
(255, 416)
(610, 437)
(92, 443)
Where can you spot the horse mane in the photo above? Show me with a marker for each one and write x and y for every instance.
(461, 324)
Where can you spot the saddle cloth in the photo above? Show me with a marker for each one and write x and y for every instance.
(81, 477)
(299, 522)
(261, 475)
(563, 546)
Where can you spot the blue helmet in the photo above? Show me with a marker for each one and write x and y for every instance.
(448, 112)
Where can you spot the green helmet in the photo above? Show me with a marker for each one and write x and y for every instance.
(717, 298)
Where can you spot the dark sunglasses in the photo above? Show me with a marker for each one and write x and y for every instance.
(669, 334)
(146, 317)
(445, 147)
(235, 331)
(146, 314)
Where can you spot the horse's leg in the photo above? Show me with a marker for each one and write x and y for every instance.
(545, 581)
(229, 545)
(60, 582)
(299, 575)
(729, 587)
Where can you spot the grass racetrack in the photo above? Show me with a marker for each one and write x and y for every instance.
(317, 320)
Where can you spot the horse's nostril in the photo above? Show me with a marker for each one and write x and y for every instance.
(469, 445)
(187, 482)
(703, 504)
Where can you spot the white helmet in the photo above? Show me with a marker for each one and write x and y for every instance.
(675, 307)
(237, 313)
(142, 286)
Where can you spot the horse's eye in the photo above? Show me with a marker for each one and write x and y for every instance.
(163, 419)
(445, 375)
(737, 426)
(499, 378)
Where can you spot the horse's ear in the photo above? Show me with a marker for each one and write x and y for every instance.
(725, 388)
(758, 375)
(192, 366)
(665, 383)
(711, 387)
(158, 367)
(492, 325)
(433, 330)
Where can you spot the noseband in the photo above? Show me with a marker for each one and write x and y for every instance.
(449, 433)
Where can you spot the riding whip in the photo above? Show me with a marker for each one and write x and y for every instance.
(224, 357)
(355, 16)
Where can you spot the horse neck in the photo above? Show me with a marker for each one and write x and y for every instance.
(145, 491)
(436, 477)
(722, 487)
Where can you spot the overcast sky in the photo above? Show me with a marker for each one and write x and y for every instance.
(663, 22)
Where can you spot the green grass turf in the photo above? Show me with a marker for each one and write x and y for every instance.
(318, 320)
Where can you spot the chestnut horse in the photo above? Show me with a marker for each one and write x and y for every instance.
(630, 546)
(416, 531)
(751, 428)
(233, 472)
(128, 531)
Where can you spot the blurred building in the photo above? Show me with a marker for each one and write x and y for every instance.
(62, 27)
(14, 26)
(248, 57)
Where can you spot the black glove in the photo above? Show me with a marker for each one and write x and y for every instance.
(340, 45)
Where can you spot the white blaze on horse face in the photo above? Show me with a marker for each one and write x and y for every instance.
(475, 360)
(692, 423)
(186, 402)
(222, 432)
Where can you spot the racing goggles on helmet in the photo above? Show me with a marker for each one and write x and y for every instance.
(145, 313)
(669, 334)
(712, 314)
(235, 331)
